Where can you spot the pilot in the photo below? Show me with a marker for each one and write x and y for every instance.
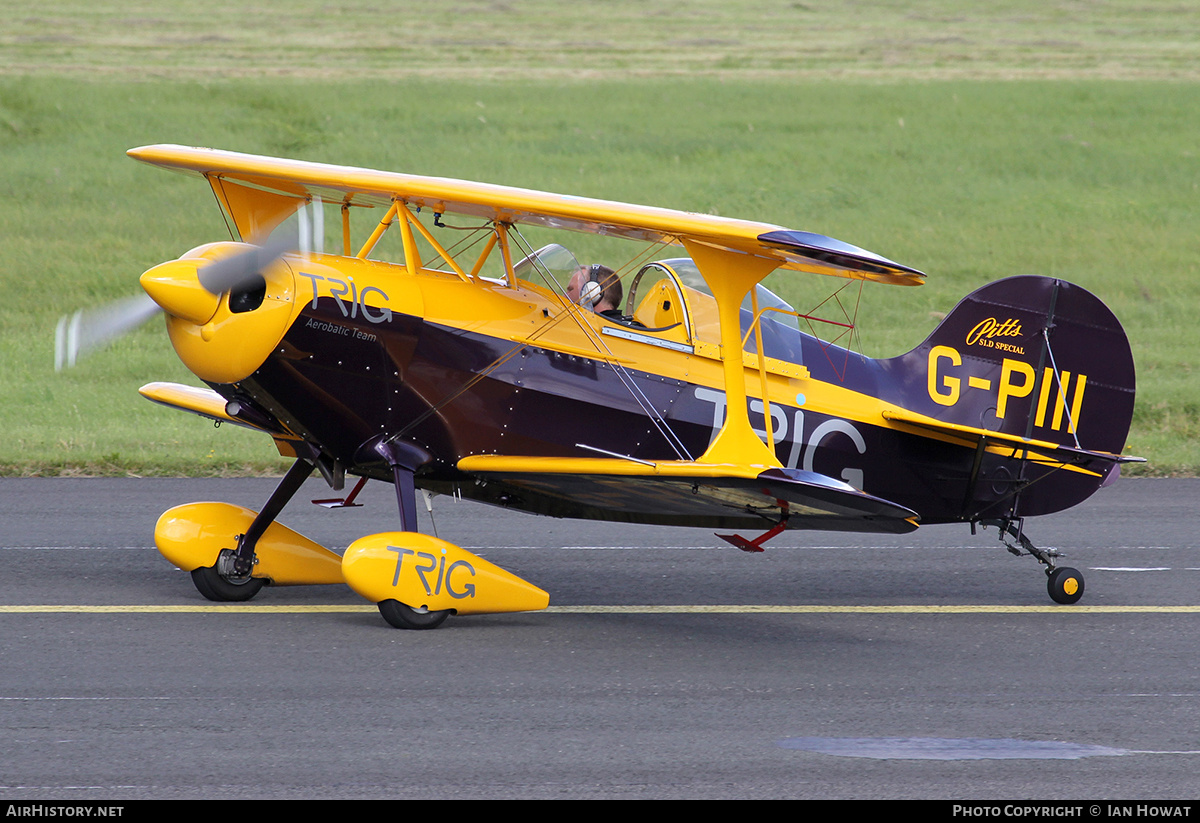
(597, 288)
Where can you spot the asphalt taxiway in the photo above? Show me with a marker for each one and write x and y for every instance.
(669, 663)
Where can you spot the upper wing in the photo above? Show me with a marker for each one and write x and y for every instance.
(259, 191)
(687, 493)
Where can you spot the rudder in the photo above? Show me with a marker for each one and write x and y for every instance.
(1034, 357)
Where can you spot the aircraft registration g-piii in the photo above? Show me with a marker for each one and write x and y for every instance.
(476, 366)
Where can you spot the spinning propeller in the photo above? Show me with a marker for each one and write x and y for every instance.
(87, 330)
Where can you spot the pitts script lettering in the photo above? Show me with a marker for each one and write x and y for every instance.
(985, 334)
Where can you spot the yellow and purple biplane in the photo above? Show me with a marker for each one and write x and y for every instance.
(472, 364)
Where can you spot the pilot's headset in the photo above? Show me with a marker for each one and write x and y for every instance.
(591, 291)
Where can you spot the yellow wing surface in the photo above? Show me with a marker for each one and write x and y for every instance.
(694, 493)
(204, 402)
(259, 191)
(207, 403)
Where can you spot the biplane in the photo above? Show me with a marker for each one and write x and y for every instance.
(474, 365)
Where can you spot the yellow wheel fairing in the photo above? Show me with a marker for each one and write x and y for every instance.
(193, 536)
(424, 572)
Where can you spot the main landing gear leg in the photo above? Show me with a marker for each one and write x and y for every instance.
(1064, 584)
(406, 497)
(418, 580)
(230, 580)
(406, 459)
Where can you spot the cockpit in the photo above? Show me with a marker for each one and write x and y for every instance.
(668, 303)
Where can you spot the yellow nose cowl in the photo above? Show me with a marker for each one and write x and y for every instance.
(175, 286)
(218, 342)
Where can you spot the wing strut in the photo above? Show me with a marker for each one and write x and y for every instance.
(730, 275)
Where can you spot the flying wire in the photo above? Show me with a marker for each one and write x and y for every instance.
(627, 379)
(602, 348)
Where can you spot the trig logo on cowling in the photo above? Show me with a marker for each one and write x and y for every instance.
(986, 331)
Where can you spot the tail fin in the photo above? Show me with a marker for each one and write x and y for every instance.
(1033, 358)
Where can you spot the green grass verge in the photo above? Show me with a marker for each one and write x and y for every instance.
(969, 181)
(901, 130)
(798, 39)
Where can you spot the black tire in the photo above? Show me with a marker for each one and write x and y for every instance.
(406, 617)
(1065, 585)
(212, 585)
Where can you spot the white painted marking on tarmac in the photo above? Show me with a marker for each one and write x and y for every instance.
(1130, 569)
(224, 608)
(76, 548)
(939, 748)
(693, 547)
(34, 700)
(66, 788)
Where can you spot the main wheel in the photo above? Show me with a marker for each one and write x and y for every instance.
(213, 585)
(406, 617)
(1065, 585)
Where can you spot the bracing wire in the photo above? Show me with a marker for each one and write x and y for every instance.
(657, 420)
(622, 373)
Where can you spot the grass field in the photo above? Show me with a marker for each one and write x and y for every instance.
(1053, 137)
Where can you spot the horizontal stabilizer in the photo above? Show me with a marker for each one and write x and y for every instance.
(684, 493)
(1038, 450)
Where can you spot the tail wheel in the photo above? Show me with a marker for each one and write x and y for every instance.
(215, 586)
(1065, 585)
(406, 617)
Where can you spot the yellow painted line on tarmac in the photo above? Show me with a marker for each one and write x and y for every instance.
(867, 609)
(199, 608)
(227, 608)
